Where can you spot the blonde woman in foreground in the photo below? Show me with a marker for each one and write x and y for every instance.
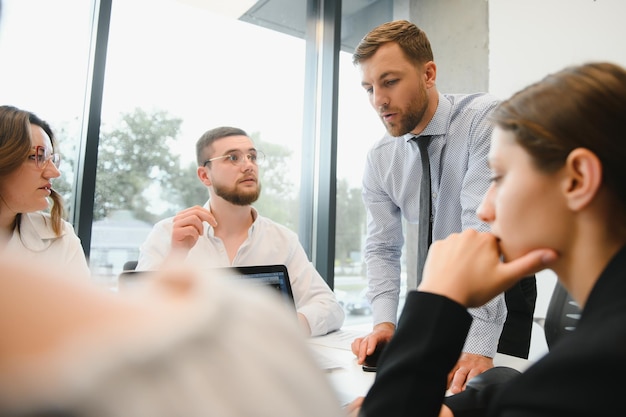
(182, 345)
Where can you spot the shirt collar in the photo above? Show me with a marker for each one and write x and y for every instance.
(36, 232)
(209, 228)
(438, 125)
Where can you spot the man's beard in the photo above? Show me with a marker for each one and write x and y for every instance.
(237, 198)
(410, 118)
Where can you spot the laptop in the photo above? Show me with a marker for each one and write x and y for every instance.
(274, 276)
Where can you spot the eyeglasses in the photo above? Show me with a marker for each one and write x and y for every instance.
(239, 158)
(43, 155)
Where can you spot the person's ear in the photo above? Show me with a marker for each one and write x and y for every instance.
(430, 74)
(583, 178)
(204, 176)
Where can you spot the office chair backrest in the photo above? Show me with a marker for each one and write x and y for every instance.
(129, 275)
(562, 315)
(130, 265)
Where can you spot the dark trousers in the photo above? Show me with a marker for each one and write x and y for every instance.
(520, 303)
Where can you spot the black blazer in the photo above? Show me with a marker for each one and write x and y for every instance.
(580, 376)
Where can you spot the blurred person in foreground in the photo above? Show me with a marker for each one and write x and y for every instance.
(557, 200)
(177, 346)
(228, 231)
(29, 162)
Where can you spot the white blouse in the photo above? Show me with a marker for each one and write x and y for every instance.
(35, 240)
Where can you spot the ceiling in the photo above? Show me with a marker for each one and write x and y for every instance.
(289, 16)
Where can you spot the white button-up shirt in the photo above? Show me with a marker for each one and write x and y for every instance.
(268, 243)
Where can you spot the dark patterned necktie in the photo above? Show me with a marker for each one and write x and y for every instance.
(425, 215)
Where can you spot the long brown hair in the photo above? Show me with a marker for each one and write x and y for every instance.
(15, 146)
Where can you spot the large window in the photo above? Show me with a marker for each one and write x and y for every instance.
(44, 51)
(172, 74)
(174, 69)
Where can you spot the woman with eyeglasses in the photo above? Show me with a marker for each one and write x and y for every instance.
(28, 164)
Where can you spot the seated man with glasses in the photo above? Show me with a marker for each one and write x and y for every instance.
(228, 231)
(28, 165)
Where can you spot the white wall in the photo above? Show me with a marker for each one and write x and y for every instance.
(531, 38)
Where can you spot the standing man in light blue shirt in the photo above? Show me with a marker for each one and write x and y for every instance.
(399, 76)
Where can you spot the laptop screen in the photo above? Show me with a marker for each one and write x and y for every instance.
(275, 276)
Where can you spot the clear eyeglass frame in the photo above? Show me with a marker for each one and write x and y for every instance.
(43, 155)
(238, 158)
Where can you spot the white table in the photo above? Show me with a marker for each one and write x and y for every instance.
(348, 378)
(336, 357)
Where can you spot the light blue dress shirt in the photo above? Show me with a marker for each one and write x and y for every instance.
(461, 135)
